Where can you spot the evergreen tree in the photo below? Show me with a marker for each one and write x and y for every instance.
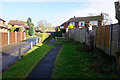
(31, 26)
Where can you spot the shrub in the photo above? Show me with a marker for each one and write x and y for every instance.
(70, 26)
(17, 29)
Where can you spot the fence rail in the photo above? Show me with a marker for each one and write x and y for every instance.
(8, 38)
(106, 37)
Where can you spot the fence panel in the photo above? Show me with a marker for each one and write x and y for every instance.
(18, 37)
(115, 39)
(4, 39)
(98, 38)
(73, 32)
(80, 35)
(77, 34)
(107, 38)
(95, 34)
(12, 37)
(102, 41)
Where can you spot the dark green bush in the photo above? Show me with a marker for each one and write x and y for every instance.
(57, 34)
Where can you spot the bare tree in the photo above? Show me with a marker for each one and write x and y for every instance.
(107, 19)
(44, 25)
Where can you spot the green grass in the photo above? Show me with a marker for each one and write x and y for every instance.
(60, 41)
(23, 67)
(31, 36)
(72, 63)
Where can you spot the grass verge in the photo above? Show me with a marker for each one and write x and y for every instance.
(23, 67)
(73, 63)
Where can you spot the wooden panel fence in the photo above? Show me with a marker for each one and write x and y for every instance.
(12, 37)
(107, 37)
(8, 38)
(115, 47)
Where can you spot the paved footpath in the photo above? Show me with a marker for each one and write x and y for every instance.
(10, 52)
(45, 67)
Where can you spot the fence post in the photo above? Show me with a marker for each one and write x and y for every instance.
(8, 38)
(19, 53)
(15, 37)
(31, 45)
(110, 40)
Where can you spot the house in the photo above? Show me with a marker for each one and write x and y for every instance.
(64, 25)
(3, 28)
(117, 10)
(37, 30)
(18, 23)
(79, 22)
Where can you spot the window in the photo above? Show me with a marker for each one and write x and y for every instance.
(81, 23)
(61, 27)
(73, 23)
(94, 22)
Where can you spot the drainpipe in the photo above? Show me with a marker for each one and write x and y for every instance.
(110, 40)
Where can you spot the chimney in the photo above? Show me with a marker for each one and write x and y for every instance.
(74, 16)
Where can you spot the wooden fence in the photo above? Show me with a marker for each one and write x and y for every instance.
(79, 34)
(7, 38)
(107, 37)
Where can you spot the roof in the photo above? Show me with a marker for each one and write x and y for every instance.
(64, 23)
(88, 18)
(3, 27)
(16, 22)
(2, 20)
(25, 26)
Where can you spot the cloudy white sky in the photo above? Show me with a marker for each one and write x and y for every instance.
(54, 11)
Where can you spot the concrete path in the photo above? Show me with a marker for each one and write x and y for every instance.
(45, 67)
(10, 52)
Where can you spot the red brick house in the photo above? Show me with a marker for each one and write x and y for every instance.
(79, 22)
(3, 28)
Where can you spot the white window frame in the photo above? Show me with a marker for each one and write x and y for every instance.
(82, 22)
(94, 22)
(73, 23)
(62, 27)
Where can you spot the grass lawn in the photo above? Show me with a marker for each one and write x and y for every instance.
(23, 67)
(73, 62)
(31, 36)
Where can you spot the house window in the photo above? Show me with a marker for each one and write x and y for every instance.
(73, 23)
(81, 23)
(94, 22)
(61, 27)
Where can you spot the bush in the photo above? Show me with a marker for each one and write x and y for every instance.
(57, 34)
(17, 29)
(70, 26)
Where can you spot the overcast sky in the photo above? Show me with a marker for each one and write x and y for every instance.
(54, 11)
